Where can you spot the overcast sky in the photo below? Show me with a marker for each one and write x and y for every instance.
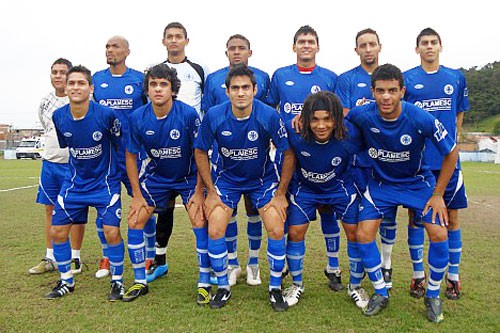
(35, 33)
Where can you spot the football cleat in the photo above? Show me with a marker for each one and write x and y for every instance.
(220, 298)
(277, 300)
(417, 288)
(116, 292)
(376, 304)
(233, 273)
(334, 280)
(45, 265)
(453, 290)
(253, 275)
(103, 270)
(156, 271)
(434, 309)
(137, 289)
(60, 290)
(293, 293)
(387, 274)
(358, 295)
(203, 297)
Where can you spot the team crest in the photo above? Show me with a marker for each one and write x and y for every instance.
(315, 88)
(175, 134)
(97, 136)
(252, 135)
(129, 90)
(448, 89)
(405, 139)
(118, 213)
(336, 161)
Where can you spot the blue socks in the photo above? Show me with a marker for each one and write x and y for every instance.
(136, 251)
(217, 252)
(276, 258)
(370, 257)
(62, 253)
(438, 260)
(201, 235)
(455, 245)
(295, 252)
(416, 247)
(331, 232)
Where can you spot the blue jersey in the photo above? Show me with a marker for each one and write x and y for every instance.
(444, 94)
(289, 88)
(243, 144)
(214, 92)
(353, 86)
(396, 147)
(323, 167)
(92, 143)
(168, 141)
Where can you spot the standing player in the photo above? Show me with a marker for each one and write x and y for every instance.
(238, 51)
(192, 76)
(290, 86)
(166, 128)
(442, 91)
(323, 150)
(54, 168)
(354, 89)
(242, 129)
(120, 88)
(91, 132)
(395, 135)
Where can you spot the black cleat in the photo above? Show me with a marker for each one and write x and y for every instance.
(203, 297)
(60, 290)
(220, 298)
(137, 289)
(453, 290)
(417, 288)
(116, 292)
(376, 304)
(334, 280)
(387, 274)
(277, 300)
(434, 309)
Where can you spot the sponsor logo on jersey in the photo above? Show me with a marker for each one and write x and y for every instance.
(129, 90)
(97, 136)
(150, 132)
(389, 156)
(104, 85)
(118, 103)
(448, 89)
(305, 153)
(418, 86)
(68, 134)
(361, 84)
(315, 88)
(435, 104)
(336, 161)
(318, 178)
(405, 139)
(175, 134)
(441, 131)
(374, 130)
(294, 108)
(252, 135)
(226, 133)
(167, 152)
(242, 154)
(289, 83)
(86, 153)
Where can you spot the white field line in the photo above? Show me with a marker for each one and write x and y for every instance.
(18, 188)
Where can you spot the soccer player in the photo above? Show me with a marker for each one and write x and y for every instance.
(166, 128)
(443, 92)
(238, 51)
(91, 132)
(395, 134)
(54, 168)
(323, 150)
(120, 88)
(290, 86)
(243, 128)
(192, 76)
(354, 89)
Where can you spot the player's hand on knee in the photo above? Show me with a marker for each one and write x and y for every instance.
(280, 203)
(137, 204)
(436, 203)
(213, 201)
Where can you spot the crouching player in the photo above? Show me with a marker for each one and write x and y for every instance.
(322, 151)
(395, 134)
(166, 128)
(91, 132)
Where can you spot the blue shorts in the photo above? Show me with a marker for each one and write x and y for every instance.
(303, 206)
(454, 195)
(380, 200)
(74, 208)
(361, 176)
(157, 194)
(51, 180)
(259, 195)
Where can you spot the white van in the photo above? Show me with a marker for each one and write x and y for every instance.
(30, 148)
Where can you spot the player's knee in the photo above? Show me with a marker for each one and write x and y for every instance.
(437, 233)
(112, 235)
(58, 234)
(453, 223)
(350, 232)
(295, 234)
(276, 232)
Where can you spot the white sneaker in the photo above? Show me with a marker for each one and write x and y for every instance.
(293, 293)
(359, 296)
(233, 273)
(103, 269)
(253, 275)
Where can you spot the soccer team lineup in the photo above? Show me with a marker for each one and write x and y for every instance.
(351, 148)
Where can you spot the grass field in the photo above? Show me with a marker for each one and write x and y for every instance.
(170, 306)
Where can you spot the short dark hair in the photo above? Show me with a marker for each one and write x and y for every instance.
(238, 36)
(327, 101)
(62, 61)
(162, 71)
(387, 72)
(428, 32)
(240, 70)
(366, 31)
(80, 69)
(305, 30)
(177, 25)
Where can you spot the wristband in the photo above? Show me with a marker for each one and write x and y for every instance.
(437, 194)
